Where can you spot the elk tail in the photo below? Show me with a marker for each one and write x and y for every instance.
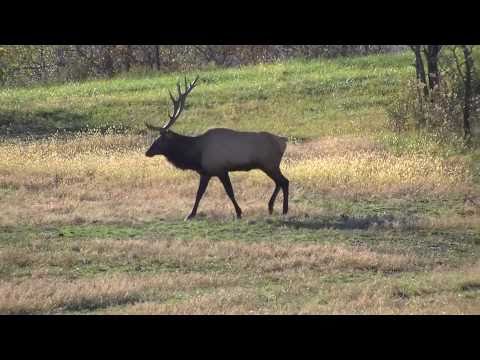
(282, 142)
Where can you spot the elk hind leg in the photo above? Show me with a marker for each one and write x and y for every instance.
(271, 202)
(225, 179)
(281, 182)
(285, 186)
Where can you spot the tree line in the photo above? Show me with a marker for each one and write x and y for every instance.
(29, 64)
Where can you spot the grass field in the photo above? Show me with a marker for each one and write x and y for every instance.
(378, 223)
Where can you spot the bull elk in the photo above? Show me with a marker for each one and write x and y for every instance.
(219, 151)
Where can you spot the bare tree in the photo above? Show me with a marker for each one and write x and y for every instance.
(157, 57)
(466, 76)
(432, 53)
(127, 57)
(420, 68)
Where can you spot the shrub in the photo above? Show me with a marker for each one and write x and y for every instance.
(441, 110)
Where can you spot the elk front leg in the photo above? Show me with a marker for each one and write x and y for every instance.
(201, 190)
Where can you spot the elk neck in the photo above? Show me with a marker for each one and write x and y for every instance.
(184, 152)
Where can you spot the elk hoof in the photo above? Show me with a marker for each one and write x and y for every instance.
(189, 217)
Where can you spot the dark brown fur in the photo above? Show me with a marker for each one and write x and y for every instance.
(187, 153)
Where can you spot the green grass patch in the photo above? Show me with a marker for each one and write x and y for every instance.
(297, 98)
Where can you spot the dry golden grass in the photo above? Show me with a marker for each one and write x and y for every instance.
(358, 166)
(107, 177)
(57, 295)
(438, 292)
(361, 166)
(199, 254)
(230, 301)
(258, 278)
(466, 221)
(240, 267)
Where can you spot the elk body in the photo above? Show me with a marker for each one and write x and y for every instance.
(219, 151)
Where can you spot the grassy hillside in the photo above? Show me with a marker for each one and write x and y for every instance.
(378, 223)
(296, 98)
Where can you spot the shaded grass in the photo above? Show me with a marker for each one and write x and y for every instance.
(205, 246)
(312, 294)
(239, 277)
(90, 275)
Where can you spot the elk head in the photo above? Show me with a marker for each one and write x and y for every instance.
(160, 145)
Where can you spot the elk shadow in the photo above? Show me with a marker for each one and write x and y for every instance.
(345, 222)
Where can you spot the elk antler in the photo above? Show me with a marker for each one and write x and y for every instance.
(178, 105)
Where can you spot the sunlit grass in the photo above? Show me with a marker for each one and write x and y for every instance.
(296, 98)
(119, 159)
(378, 222)
(95, 176)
